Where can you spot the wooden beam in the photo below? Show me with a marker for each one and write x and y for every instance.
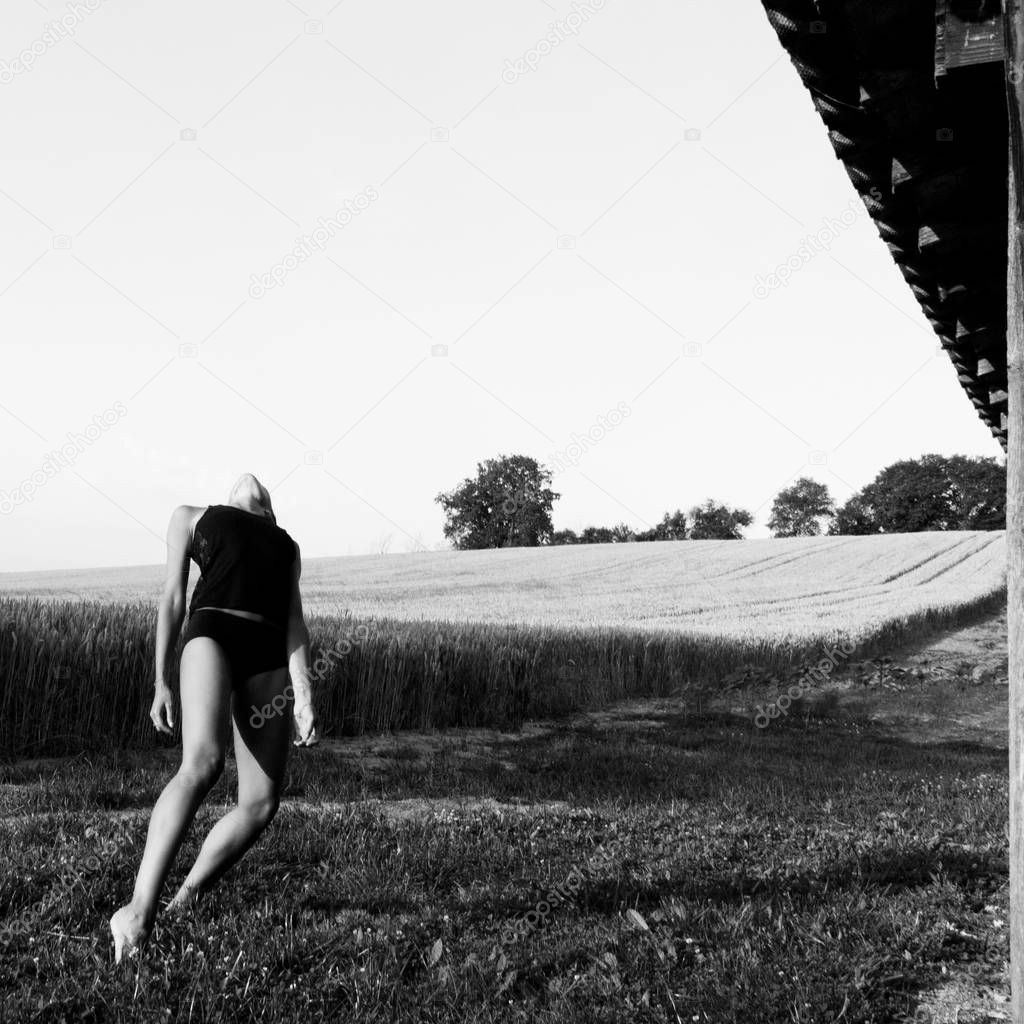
(1013, 26)
(1015, 609)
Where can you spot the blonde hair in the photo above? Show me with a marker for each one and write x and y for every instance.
(247, 490)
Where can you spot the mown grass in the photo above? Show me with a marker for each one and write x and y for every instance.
(818, 870)
(78, 676)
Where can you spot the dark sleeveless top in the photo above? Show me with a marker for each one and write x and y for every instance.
(246, 564)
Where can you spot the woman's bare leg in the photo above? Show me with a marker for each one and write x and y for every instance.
(205, 696)
(261, 753)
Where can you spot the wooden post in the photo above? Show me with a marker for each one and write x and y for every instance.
(1013, 26)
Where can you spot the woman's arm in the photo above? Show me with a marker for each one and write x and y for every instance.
(298, 664)
(170, 614)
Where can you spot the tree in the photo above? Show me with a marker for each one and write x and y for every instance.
(910, 495)
(507, 504)
(798, 510)
(934, 492)
(623, 533)
(596, 535)
(978, 493)
(564, 537)
(853, 519)
(718, 522)
(671, 527)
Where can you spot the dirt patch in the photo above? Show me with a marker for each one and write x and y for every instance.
(393, 810)
(385, 753)
(951, 689)
(957, 1003)
(446, 807)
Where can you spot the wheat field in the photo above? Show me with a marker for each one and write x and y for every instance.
(787, 589)
(493, 637)
(790, 590)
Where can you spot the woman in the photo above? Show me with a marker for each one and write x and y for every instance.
(245, 634)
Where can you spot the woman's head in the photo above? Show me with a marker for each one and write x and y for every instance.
(249, 494)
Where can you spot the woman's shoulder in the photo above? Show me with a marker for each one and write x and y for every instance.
(189, 511)
(186, 516)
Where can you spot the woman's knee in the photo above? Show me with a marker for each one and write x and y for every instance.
(203, 768)
(261, 809)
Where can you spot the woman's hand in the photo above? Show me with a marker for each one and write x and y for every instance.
(305, 725)
(162, 711)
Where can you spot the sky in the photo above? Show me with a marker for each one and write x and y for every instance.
(357, 247)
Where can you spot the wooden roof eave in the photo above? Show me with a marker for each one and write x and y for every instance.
(917, 115)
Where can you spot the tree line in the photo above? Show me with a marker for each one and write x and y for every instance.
(509, 503)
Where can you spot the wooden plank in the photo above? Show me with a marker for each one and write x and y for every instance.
(901, 174)
(1015, 614)
(960, 43)
(1014, 36)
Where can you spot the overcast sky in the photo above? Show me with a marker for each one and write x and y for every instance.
(357, 247)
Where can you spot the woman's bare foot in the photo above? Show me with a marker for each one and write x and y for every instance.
(185, 897)
(130, 930)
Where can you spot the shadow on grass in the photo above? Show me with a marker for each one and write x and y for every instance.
(833, 816)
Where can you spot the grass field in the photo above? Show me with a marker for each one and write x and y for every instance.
(846, 865)
(660, 861)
